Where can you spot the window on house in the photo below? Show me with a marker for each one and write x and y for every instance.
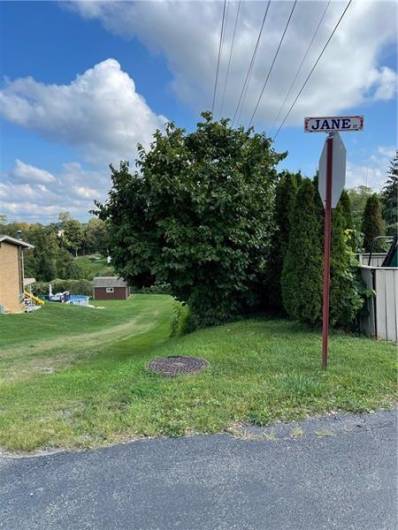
(110, 290)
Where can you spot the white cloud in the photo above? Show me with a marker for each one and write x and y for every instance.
(74, 189)
(85, 193)
(187, 34)
(387, 88)
(27, 173)
(372, 172)
(99, 112)
(387, 151)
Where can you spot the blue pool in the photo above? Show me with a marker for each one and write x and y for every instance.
(79, 299)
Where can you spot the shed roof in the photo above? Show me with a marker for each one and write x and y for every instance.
(109, 281)
(12, 241)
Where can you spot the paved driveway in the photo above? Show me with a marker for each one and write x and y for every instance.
(335, 473)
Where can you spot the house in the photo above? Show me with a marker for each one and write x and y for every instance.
(12, 274)
(110, 288)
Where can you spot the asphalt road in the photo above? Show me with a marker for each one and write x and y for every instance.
(336, 473)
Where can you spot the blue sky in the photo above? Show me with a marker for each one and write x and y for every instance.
(141, 63)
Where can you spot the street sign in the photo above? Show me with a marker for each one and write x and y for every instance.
(332, 166)
(333, 124)
(338, 170)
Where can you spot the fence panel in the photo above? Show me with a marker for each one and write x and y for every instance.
(386, 303)
(376, 259)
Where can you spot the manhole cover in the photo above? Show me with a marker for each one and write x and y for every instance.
(177, 364)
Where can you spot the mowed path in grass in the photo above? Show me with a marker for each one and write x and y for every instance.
(76, 377)
(58, 335)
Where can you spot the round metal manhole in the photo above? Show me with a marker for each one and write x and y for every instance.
(177, 365)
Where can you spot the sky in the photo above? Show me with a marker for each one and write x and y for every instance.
(81, 83)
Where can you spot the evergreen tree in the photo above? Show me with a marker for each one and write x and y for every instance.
(345, 299)
(285, 196)
(302, 270)
(358, 197)
(317, 197)
(372, 223)
(390, 197)
(345, 205)
(352, 235)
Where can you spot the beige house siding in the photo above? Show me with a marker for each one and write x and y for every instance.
(11, 277)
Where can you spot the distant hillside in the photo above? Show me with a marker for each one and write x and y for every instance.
(94, 265)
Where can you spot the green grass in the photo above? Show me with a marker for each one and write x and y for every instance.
(94, 265)
(76, 377)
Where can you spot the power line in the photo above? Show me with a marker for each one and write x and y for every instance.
(251, 61)
(302, 62)
(312, 70)
(273, 63)
(230, 57)
(219, 57)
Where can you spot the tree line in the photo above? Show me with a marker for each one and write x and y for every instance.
(208, 214)
(57, 244)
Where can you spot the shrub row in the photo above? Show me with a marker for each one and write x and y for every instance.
(73, 286)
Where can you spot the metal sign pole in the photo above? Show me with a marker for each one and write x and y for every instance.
(332, 171)
(326, 251)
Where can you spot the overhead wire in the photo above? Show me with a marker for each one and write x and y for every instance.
(273, 62)
(275, 120)
(219, 57)
(248, 73)
(312, 69)
(230, 57)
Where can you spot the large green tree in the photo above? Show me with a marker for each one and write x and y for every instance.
(390, 198)
(72, 235)
(302, 269)
(358, 197)
(95, 236)
(48, 260)
(372, 224)
(66, 266)
(40, 262)
(196, 214)
(285, 196)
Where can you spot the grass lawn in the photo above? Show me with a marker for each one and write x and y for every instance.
(76, 377)
(94, 265)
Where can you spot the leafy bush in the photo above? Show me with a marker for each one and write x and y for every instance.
(84, 287)
(180, 321)
(345, 296)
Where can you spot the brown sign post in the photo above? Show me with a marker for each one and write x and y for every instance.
(326, 250)
(331, 183)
